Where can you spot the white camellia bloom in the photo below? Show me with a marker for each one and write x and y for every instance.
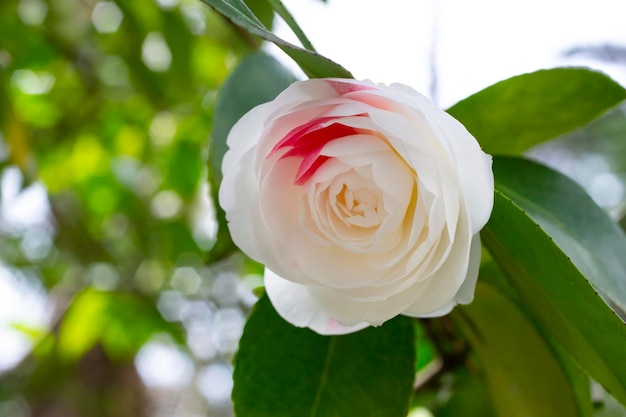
(363, 202)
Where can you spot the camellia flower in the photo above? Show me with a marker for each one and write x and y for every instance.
(363, 202)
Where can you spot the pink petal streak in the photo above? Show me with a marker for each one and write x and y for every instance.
(307, 142)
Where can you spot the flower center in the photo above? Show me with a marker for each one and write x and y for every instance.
(346, 211)
(358, 207)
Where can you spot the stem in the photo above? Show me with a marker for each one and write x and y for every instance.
(431, 372)
(282, 11)
(452, 350)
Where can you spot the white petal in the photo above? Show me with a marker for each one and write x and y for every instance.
(303, 92)
(332, 265)
(278, 125)
(356, 145)
(465, 295)
(247, 227)
(238, 193)
(377, 312)
(245, 133)
(442, 311)
(419, 145)
(279, 199)
(346, 86)
(473, 167)
(445, 283)
(294, 304)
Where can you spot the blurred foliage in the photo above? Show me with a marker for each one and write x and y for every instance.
(105, 207)
(108, 105)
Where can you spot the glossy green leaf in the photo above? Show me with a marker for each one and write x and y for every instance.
(492, 276)
(579, 380)
(583, 231)
(516, 114)
(263, 11)
(284, 13)
(557, 295)
(469, 397)
(313, 64)
(525, 379)
(284, 371)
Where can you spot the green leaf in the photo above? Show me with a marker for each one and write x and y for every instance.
(578, 378)
(469, 397)
(513, 115)
(425, 348)
(263, 11)
(492, 276)
(284, 371)
(313, 64)
(583, 231)
(557, 295)
(523, 375)
(283, 12)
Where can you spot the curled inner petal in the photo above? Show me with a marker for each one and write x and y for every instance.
(307, 142)
(346, 210)
(345, 86)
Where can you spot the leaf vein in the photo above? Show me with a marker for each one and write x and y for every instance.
(323, 377)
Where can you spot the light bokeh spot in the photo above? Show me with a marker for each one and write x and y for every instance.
(163, 128)
(106, 17)
(607, 190)
(167, 4)
(215, 382)
(32, 12)
(166, 204)
(186, 280)
(155, 53)
(163, 365)
(31, 82)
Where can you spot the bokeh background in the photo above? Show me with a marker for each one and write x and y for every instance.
(116, 297)
(112, 302)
